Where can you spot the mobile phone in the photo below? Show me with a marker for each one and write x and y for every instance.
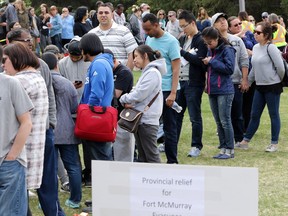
(78, 82)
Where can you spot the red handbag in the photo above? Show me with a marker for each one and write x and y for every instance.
(96, 123)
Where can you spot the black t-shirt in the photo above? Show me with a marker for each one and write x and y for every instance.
(123, 80)
(81, 28)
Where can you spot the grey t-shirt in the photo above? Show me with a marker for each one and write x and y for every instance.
(14, 102)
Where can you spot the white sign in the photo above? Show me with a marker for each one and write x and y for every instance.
(155, 192)
(140, 189)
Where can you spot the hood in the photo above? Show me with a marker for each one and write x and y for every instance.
(107, 57)
(160, 64)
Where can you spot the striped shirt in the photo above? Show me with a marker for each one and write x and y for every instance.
(118, 39)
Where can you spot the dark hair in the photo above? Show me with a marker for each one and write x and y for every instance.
(243, 15)
(1, 52)
(150, 17)
(80, 13)
(70, 8)
(16, 34)
(107, 4)
(21, 56)
(213, 33)
(91, 44)
(50, 59)
(12, 24)
(145, 49)
(187, 16)
(109, 52)
(267, 29)
(46, 6)
(120, 6)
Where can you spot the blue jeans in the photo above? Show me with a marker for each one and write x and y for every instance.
(71, 160)
(259, 101)
(57, 41)
(221, 109)
(191, 97)
(99, 150)
(236, 114)
(13, 191)
(48, 192)
(170, 130)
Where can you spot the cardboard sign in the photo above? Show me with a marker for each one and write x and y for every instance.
(141, 189)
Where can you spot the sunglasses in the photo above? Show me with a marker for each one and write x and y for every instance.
(29, 40)
(264, 17)
(161, 14)
(103, 12)
(170, 15)
(257, 32)
(238, 24)
(4, 60)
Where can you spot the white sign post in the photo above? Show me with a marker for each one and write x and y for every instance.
(139, 189)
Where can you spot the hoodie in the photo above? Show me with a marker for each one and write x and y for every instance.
(148, 85)
(99, 84)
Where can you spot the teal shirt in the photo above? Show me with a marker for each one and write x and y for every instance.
(169, 47)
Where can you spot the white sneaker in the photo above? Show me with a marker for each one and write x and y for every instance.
(272, 148)
(194, 152)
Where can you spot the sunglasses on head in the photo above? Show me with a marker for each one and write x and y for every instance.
(258, 32)
(102, 12)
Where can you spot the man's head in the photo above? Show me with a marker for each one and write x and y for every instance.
(74, 51)
(53, 10)
(219, 21)
(234, 25)
(90, 45)
(20, 35)
(53, 49)
(105, 15)
(187, 22)
(151, 25)
(120, 9)
(50, 59)
(115, 62)
(264, 16)
(65, 12)
(172, 16)
(273, 18)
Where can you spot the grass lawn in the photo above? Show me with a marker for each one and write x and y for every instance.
(273, 172)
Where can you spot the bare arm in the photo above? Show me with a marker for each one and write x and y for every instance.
(21, 136)
(130, 61)
(118, 93)
(175, 79)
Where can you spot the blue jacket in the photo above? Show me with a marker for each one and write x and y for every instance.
(99, 84)
(56, 23)
(220, 68)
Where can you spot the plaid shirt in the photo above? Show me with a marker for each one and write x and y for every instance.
(35, 87)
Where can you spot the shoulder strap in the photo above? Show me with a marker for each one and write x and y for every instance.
(270, 56)
(152, 101)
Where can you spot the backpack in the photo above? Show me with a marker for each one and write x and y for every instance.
(285, 78)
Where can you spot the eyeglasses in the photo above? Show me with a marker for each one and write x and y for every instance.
(161, 14)
(103, 12)
(4, 60)
(183, 27)
(29, 40)
(238, 24)
(257, 32)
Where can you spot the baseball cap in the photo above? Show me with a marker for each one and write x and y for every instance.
(74, 49)
(216, 16)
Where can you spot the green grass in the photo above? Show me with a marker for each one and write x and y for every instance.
(273, 172)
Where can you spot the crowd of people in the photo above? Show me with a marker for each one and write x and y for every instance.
(51, 63)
